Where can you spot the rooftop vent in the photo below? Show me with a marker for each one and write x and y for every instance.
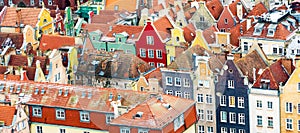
(167, 106)
(36, 91)
(139, 114)
(83, 94)
(66, 92)
(59, 92)
(43, 91)
(110, 97)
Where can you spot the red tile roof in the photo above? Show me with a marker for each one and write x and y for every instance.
(215, 7)
(104, 28)
(258, 9)
(16, 38)
(281, 32)
(156, 114)
(3, 69)
(130, 30)
(50, 42)
(233, 7)
(154, 74)
(18, 60)
(30, 71)
(189, 33)
(235, 33)
(209, 34)
(7, 114)
(129, 5)
(163, 26)
(29, 16)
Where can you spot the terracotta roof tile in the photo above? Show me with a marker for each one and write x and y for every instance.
(235, 33)
(3, 69)
(104, 28)
(7, 114)
(233, 7)
(156, 73)
(250, 61)
(50, 42)
(215, 7)
(189, 33)
(29, 16)
(283, 7)
(163, 26)
(281, 32)
(30, 71)
(258, 9)
(130, 30)
(209, 34)
(18, 60)
(16, 38)
(155, 114)
(129, 5)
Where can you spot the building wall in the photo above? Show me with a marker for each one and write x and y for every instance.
(199, 40)
(170, 45)
(46, 27)
(204, 12)
(265, 96)
(183, 89)
(226, 14)
(72, 118)
(53, 128)
(290, 94)
(57, 67)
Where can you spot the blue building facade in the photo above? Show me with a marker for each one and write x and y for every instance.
(232, 113)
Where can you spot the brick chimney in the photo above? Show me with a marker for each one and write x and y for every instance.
(18, 21)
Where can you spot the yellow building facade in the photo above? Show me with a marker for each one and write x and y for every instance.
(45, 23)
(290, 103)
(200, 40)
(176, 39)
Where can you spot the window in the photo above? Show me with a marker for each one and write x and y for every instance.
(242, 131)
(186, 82)
(241, 118)
(116, 7)
(210, 129)
(225, 21)
(178, 122)
(177, 81)
(298, 108)
(298, 87)
(231, 101)
(187, 95)
(201, 114)
(109, 117)
(270, 121)
(200, 83)
(280, 50)
(49, 2)
(40, 2)
(223, 116)
(206, 83)
(223, 130)
(201, 129)
(208, 99)
(158, 54)
(152, 64)
(169, 81)
(223, 100)
(232, 117)
(60, 114)
(39, 129)
(298, 125)
(289, 124)
(169, 92)
(232, 130)
(143, 131)
(178, 93)
(62, 130)
(230, 84)
(288, 107)
(201, 19)
(125, 130)
(270, 105)
(142, 52)
(37, 111)
(258, 104)
(259, 120)
(240, 102)
(209, 115)
(222, 30)
(150, 53)
(150, 40)
(200, 98)
(275, 50)
(10, 2)
(86, 132)
(1, 3)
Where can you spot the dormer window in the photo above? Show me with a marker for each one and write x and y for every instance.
(265, 84)
(258, 29)
(271, 30)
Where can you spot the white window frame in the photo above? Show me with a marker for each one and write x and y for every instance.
(209, 99)
(60, 114)
(84, 116)
(298, 125)
(50, 2)
(169, 80)
(259, 120)
(177, 81)
(178, 122)
(223, 130)
(298, 108)
(201, 129)
(242, 131)
(210, 129)
(241, 102)
(152, 64)
(289, 107)
(223, 116)
(143, 130)
(241, 119)
(232, 117)
(232, 130)
(124, 130)
(150, 54)
(223, 100)
(259, 104)
(200, 98)
(159, 54)
(187, 95)
(1, 2)
(37, 111)
(143, 53)
(270, 105)
(270, 122)
(62, 130)
(178, 93)
(288, 121)
(150, 40)
(109, 118)
(40, 2)
(201, 114)
(39, 129)
(209, 115)
(169, 92)
(231, 84)
(186, 82)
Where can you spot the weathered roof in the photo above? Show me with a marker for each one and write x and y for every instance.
(50, 42)
(7, 114)
(215, 7)
(16, 38)
(258, 9)
(29, 16)
(130, 30)
(163, 26)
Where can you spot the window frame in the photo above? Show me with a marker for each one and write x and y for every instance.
(270, 122)
(36, 110)
(259, 121)
(167, 80)
(159, 54)
(223, 114)
(223, 100)
(109, 118)
(209, 115)
(143, 53)
(177, 83)
(230, 84)
(241, 102)
(231, 99)
(288, 123)
(150, 40)
(232, 117)
(151, 55)
(241, 118)
(58, 112)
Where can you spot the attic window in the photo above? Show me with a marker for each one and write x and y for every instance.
(230, 71)
(226, 21)
(19, 88)
(110, 96)
(119, 97)
(258, 29)
(66, 92)
(59, 92)
(11, 89)
(36, 91)
(83, 94)
(43, 91)
(139, 114)
(89, 94)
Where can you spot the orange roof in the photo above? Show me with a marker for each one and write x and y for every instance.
(281, 32)
(50, 42)
(18, 60)
(156, 113)
(29, 16)
(258, 9)
(163, 26)
(189, 33)
(233, 7)
(7, 114)
(154, 74)
(215, 7)
(236, 33)
(209, 34)
(129, 5)
(130, 30)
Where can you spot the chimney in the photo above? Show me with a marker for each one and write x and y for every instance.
(91, 14)
(248, 23)
(18, 21)
(239, 10)
(24, 75)
(116, 110)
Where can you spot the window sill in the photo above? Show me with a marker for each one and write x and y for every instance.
(259, 125)
(269, 127)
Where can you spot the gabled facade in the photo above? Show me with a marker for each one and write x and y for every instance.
(290, 106)
(232, 112)
(150, 46)
(293, 49)
(202, 18)
(264, 106)
(226, 20)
